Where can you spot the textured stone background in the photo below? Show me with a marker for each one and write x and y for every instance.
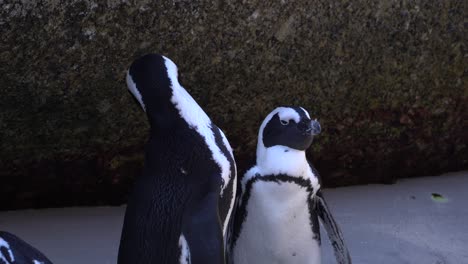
(387, 80)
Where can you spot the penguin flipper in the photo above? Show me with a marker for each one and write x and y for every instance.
(333, 231)
(202, 228)
(15, 250)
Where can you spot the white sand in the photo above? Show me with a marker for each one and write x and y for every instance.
(384, 224)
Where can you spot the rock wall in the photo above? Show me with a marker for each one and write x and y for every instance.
(387, 80)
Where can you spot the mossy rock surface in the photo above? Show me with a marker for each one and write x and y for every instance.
(387, 80)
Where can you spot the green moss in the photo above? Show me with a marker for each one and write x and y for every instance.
(119, 161)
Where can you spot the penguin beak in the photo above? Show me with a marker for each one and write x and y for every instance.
(314, 127)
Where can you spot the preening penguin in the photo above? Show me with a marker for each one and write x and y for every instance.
(280, 201)
(179, 210)
(13, 250)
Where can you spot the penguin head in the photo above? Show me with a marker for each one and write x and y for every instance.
(283, 137)
(152, 80)
(289, 127)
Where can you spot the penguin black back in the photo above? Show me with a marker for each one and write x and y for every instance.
(180, 205)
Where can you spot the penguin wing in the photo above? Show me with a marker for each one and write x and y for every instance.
(333, 231)
(201, 226)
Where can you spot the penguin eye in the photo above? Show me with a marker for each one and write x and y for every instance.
(284, 122)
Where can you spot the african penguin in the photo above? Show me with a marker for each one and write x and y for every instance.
(13, 250)
(180, 208)
(280, 200)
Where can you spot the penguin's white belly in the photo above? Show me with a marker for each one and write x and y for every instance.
(277, 228)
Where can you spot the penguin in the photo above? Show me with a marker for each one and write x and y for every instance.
(14, 250)
(180, 207)
(280, 202)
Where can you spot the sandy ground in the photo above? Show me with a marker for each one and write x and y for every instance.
(384, 224)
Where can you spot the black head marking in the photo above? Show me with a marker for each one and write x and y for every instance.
(289, 133)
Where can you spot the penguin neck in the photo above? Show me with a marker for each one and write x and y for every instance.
(187, 107)
(182, 112)
(167, 103)
(282, 160)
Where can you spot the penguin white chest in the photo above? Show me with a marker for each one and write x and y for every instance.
(277, 228)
